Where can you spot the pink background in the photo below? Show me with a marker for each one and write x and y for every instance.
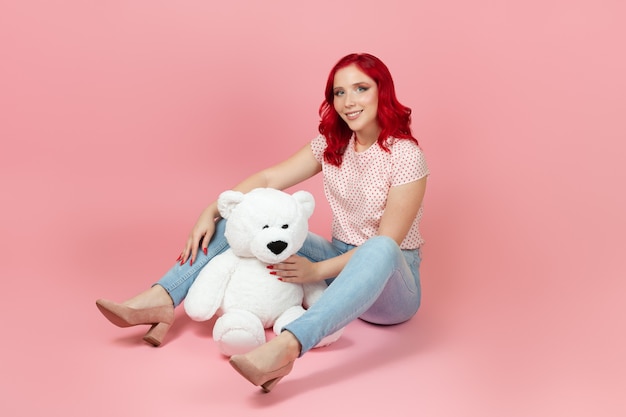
(121, 120)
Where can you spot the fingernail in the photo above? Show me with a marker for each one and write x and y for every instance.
(205, 250)
(273, 273)
(280, 279)
(191, 262)
(270, 267)
(179, 257)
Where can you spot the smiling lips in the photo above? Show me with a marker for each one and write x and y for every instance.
(353, 115)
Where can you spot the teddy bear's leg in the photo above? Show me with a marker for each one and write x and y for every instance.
(238, 332)
(287, 317)
(293, 313)
(331, 338)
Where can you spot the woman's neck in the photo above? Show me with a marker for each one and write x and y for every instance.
(363, 141)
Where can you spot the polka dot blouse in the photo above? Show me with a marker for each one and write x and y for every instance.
(357, 190)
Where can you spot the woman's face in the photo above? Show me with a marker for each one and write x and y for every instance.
(356, 101)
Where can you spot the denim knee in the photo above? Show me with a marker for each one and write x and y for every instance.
(382, 244)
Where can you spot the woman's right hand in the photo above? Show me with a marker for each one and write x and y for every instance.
(199, 237)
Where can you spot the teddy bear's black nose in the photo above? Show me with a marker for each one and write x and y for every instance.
(277, 247)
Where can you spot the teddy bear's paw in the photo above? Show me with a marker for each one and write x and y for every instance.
(287, 317)
(238, 342)
(238, 332)
(330, 339)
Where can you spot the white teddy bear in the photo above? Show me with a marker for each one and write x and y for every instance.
(264, 227)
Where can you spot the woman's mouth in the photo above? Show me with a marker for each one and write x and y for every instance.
(353, 115)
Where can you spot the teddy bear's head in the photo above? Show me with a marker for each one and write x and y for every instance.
(268, 224)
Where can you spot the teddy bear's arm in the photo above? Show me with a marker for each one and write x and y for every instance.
(207, 292)
(312, 292)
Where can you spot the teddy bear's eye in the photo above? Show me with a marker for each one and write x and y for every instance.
(285, 226)
(266, 226)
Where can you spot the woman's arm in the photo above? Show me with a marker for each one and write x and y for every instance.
(295, 169)
(403, 203)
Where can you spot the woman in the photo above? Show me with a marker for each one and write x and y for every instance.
(374, 179)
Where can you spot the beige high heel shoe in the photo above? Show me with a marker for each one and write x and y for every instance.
(267, 380)
(161, 318)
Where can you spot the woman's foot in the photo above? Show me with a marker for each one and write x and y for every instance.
(153, 307)
(123, 316)
(270, 362)
(153, 297)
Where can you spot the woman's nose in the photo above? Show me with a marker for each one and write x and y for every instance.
(349, 101)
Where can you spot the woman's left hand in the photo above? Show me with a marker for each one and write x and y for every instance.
(296, 269)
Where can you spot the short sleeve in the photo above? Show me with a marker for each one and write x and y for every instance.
(318, 146)
(409, 162)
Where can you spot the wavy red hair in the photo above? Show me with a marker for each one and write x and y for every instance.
(393, 118)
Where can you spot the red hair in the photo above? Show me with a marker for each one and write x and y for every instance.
(393, 118)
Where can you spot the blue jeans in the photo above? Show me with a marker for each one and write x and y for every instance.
(179, 278)
(380, 284)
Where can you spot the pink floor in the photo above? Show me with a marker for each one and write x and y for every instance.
(480, 346)
(120, 121)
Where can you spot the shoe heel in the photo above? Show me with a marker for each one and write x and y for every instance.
(157, 333)
(269, 385)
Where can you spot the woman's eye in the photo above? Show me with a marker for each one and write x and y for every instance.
(285, 226)
(339, 93)
(362, 89)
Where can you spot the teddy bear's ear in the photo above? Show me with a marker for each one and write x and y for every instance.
(227, 201)
(306, 201)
